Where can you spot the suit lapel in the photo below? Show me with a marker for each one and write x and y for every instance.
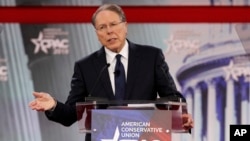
(100, 62)
(132, 68)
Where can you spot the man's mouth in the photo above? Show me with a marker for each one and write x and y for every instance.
(111, 40)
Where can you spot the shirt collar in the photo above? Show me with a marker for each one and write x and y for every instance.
(111, 55)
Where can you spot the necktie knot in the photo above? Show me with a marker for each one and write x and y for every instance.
(119, 66)
(118, 57)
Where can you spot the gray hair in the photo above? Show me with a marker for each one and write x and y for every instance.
(111, 7)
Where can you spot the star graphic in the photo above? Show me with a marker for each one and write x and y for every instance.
(230, 71)
(170, 44)
(116, 136)
(38, 43)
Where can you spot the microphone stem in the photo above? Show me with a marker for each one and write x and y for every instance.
(97, 79)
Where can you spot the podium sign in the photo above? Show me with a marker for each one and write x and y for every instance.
(131, 120)
(131, 125)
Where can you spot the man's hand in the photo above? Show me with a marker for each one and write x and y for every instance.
(187, 121)
(42, 102)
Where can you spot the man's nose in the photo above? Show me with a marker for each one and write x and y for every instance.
(109, 29)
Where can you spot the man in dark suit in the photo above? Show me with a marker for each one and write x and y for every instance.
(146, 72)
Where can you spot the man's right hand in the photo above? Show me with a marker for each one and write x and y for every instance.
(42, 102)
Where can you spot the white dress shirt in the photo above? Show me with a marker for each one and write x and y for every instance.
(110, 56)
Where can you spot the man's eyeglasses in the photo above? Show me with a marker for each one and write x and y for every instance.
(104, 27)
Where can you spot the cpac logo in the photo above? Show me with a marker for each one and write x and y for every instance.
(3, 73)
(178, 45)
(58, 46)
(235, 72)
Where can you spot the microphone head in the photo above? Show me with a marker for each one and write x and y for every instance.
(117, 72)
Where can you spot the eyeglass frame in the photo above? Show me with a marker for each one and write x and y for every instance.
(104, 27)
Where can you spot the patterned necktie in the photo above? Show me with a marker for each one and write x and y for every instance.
(120, 81)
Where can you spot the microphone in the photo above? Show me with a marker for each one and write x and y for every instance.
(117, 72)
(90, 98)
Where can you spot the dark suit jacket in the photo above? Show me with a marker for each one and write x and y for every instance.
(145, 79)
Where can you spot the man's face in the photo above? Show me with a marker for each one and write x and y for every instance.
(110, 30)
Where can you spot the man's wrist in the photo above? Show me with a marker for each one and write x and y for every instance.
(54, 107)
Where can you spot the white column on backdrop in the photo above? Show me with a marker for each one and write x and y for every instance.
(212, 122)
(230, 117)
(190, 102)
(244, 105)
(198, 113)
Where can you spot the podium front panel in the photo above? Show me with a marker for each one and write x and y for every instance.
(131, 120)
(132, 125)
